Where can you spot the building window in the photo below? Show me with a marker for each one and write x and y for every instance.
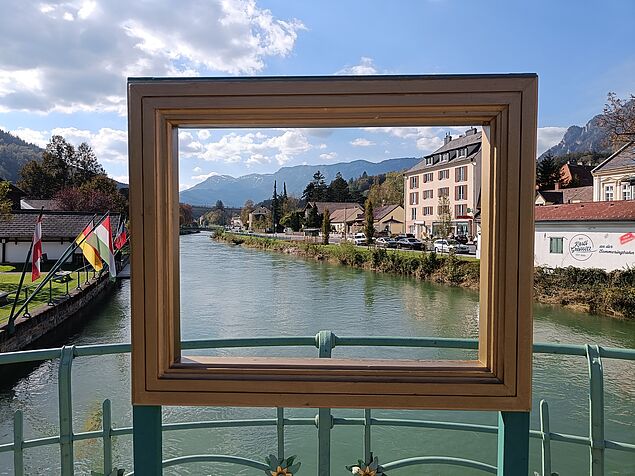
(429, 160)
(414, 181)
(413, 214)
(444, 174)
(444, 192)
(414, 198)
(460, 210)
(462, 152)
(411, 229)
(428, 194)
(555, 245)
(627, 191)
(428, 177)
(461, 192)
(609, 191)
(445, 157)
(460, 174)
(428, 210)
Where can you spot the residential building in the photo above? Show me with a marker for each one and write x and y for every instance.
(59, 229)
(585, 235)
(452, 171)
(614, 179)
(257, 214)
(36, 204)
(348, 219)
(576, 174)
(389, 219)
(565, 195)
(332, 206)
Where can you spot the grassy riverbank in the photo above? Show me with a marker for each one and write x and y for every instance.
(592, 290)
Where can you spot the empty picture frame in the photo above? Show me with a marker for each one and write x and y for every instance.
(506, 108)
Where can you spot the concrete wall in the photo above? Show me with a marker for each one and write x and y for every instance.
(45, 319)
(605, 245)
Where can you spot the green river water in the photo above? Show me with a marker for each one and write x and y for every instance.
(229, 291)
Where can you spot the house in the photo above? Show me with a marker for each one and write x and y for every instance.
(565, 195)
(348, 219)
(614, 179)
(332, 206)
(35, 204)
(59, 229)
(258, 214)
(585, 235)
(390, 219)
(576, 175)
(452, 171)
(14, 195)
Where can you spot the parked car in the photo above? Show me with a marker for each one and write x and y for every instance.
(404, 235)
(409, 244)
(461, 239)
(445, 246)
(386, 242)
(360, 239)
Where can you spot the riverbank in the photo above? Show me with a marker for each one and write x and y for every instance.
(590, 290)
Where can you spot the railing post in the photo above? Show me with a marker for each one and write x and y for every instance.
(65, 404)
(367, 425)
(18, 442)
(147, 440)
(106, 427)
(513, 443)
(325, 343)
(596, 410)
(546, 438)
(280, 429)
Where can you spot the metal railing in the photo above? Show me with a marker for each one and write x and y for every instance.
(324, 421)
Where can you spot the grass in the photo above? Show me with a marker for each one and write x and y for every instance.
(9, 282)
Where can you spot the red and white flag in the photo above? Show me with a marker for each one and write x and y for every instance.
(36, 256)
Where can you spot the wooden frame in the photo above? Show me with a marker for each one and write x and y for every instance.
(506, 107)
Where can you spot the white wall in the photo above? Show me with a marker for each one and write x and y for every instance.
(16, 253)
(609, 245)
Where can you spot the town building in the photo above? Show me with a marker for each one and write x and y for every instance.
(574, 174)
(564, 195)
(331, 206)
(614, 179)
(389, 219)
(452, 171)
(59, 229)
(585, 235)
(348, 219)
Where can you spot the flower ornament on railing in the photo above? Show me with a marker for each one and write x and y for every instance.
(367, 469)
(283, 467)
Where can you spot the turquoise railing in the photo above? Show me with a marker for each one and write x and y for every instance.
(324, 421)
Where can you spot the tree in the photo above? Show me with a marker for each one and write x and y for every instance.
(85, 165)
(369, 219)
(97, 195)
(390, 191)
(547, 173)
(313, 217)
(618, 119)
(316, 190)
(5, 204)
(248, 207)
(292, 220)
(326, 227)
(276, 208)
(185, 214)
(444, 217)
(338, 189)
(219, 205)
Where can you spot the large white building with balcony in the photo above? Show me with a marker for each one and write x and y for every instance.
(614, 179)
(452, 171)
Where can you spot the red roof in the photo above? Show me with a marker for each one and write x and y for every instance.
(623, 210)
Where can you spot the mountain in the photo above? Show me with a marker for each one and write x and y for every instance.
(591, 138)
(14, 153)
(233, 191)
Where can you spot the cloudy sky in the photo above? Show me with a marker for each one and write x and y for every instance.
(63, 66)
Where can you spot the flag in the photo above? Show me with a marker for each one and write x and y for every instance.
(104, 245)
(122, 235)
(87, 241)
(36, 257)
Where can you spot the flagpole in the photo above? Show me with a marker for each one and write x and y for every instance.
(60, 262)
(11, 326)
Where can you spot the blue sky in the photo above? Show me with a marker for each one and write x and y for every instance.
(63, 65)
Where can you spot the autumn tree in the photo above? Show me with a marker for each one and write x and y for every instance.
(5, 203)
(618, 119)
(186, 216)
(98, 195)
(390, 191)
(444, 217)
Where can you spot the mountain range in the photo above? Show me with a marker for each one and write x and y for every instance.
(234, 191)
(591, 138)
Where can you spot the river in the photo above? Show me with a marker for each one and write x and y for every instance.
(230, 291)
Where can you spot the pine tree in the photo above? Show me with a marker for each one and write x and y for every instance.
(338, 190)
(275, 208)
(547, 173)
(326, 227)
(369, 228)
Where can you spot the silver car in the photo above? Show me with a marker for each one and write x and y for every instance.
(445, 246)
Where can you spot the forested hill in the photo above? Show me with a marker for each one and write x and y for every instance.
(14, 153)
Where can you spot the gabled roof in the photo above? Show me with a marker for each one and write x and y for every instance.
(622, 158)
(34, 204)
(421, 166)
(350, 214)
(589, 211)
(381, 212)
(332, 206)
(461, 141)
(568, 195)
(56, 225)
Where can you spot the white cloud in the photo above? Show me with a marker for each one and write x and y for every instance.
(197, 169)
(365, 66)
(121, 178)
(80, 54)
(249, 148)
(328, 156)
(204, 176)
(548, 137)
(361, 142)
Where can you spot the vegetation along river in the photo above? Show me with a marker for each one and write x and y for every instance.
(228, 291)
